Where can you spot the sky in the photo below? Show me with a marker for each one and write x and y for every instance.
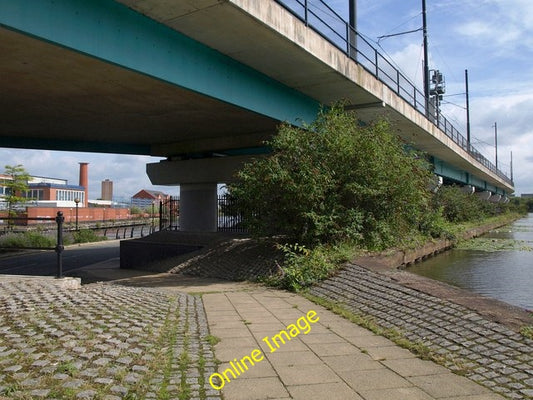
(493, 39)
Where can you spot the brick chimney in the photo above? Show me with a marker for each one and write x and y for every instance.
(84, 181)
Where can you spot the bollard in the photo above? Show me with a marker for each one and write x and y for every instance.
(59, 247)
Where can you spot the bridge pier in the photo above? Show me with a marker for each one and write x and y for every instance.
(468, 189)
(484, 195)
(198, 180)
(495, 198)
(198, 207)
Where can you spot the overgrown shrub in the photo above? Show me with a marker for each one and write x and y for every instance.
(303, 266)
(458, 206)
(27, 239)
(86, 236)
(335, 181)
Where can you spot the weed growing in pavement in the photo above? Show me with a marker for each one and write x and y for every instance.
(10, 389)
(527, 331)
(67, 368)
(201, 378)
(212, 340)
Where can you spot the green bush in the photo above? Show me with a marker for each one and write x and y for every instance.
(303, 266)
(458, 206)
(27, 239)
(86, 236)
(335, 181)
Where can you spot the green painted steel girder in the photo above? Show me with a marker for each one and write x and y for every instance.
(116, 34)
(446, 170)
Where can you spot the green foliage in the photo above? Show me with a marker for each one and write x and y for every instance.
(457, 206)
(134, 210)
(27, 239)
(17, 185)
(331, 182)
(433, 224)
(527, 331)
(303, 266)
(86, 236)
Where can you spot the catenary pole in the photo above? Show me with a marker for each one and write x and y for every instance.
(426, 61)
(353, 28)
(467, 110)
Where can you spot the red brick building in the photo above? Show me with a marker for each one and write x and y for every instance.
(145, 198)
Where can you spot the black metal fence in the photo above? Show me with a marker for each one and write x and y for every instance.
(320, 17)
(59, 248)
(128, 231)
(169, 214)
(228, 218)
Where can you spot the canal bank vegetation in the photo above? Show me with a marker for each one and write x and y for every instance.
(335, 188)
(40, 240)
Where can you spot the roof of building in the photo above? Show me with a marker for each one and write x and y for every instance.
(55, 186)
(149, 194)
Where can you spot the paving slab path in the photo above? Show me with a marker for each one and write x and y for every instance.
(336, 359)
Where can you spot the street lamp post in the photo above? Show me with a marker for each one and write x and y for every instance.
(77, 201)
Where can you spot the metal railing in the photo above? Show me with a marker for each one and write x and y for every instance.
(169, 214)
(128, 231)
(320, 17)
(228, 219)
(59, 248)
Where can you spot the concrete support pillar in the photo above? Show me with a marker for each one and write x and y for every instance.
(495, 198)
(468, 189)
(484, 195)
(198, 207)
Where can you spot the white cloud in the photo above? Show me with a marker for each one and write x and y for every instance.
(499, 26)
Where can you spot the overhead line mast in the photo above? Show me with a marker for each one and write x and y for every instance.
(426, 61)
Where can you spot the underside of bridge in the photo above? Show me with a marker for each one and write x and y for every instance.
(202, 83)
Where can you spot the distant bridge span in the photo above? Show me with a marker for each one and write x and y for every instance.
(202, 83)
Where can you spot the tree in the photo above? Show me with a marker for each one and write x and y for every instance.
(335, 180)
(16, 184)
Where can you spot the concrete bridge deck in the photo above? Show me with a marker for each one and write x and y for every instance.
(202, 83)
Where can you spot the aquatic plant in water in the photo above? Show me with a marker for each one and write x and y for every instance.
(493, 244)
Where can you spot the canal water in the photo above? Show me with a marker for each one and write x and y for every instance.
(506, 275)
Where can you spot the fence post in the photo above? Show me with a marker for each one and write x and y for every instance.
(398, 82)
(59, 247)
(160, 216)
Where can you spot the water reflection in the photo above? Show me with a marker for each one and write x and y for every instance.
(504, 275)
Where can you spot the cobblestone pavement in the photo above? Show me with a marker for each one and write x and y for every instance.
(491, 354)
(102, 342)
(231, 260)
